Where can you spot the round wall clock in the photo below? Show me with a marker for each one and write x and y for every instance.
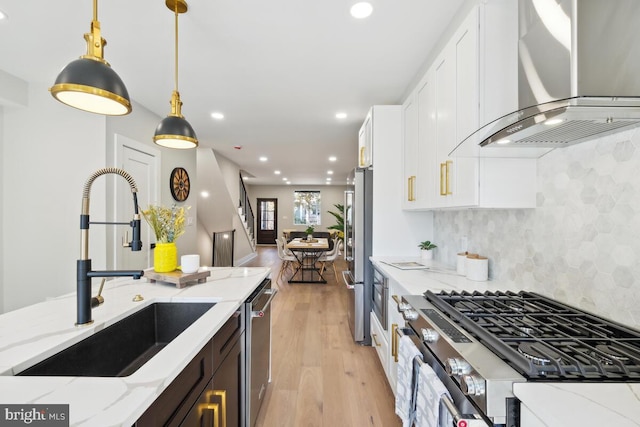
(179, 184)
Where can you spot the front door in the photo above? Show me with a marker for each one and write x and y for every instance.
(267, 221)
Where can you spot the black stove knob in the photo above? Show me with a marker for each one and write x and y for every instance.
(457, 366)
(472, 385)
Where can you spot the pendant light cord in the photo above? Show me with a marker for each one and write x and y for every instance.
(176, 62)
(95, 10)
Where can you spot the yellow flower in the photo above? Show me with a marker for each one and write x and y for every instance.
(167, 223)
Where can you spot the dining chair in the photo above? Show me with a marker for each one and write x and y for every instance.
(329, 257)
(286, 261)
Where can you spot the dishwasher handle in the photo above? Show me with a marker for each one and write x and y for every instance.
(260, 313)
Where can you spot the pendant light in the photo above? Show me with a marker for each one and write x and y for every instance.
(89, 83)
(174, 131)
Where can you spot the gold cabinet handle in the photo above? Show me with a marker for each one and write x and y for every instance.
(375, 340)
(222, 394)
(362, 154)
(211, 407)
(411, 181)
(449, 166)
(443, 179)
(394, 342)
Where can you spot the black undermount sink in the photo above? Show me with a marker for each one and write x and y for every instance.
(122, 348)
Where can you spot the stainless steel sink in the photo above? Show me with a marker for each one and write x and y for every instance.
(122, 348)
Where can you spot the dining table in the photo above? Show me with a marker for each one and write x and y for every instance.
(307, 254)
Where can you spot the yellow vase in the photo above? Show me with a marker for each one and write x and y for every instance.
(165, 257)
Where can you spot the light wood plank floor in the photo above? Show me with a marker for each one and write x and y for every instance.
(320, 377)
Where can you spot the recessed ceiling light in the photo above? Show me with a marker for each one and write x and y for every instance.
(217, 116)
(204, 194)
(263, 159)
(284, 178)
(329, 172)
(276, 172)
(341, 115)
(328, 179)
(288, 182)
(332, 159)
(361, 10)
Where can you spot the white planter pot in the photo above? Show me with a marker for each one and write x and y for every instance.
(426, 254)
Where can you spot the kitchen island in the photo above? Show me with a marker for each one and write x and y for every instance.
(32, 334)
(550, 404)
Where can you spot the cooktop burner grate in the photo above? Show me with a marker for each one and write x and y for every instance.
(545, 339)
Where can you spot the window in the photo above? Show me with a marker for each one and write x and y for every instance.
(306, 208)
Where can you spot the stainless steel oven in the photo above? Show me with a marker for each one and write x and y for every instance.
(481, 344)
(380, 296)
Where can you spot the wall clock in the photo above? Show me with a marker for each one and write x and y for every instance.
(179, 184)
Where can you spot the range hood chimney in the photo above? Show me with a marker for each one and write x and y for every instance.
(578, 78)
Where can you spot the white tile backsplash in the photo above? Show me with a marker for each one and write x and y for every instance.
(581, 244)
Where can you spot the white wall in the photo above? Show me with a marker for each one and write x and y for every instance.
(219, 211)
(2, 298)
(140, 126)
(49, 150)
(329, 194)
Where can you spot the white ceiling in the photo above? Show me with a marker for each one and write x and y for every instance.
(278, 70)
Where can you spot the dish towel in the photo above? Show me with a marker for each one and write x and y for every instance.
(429, 411)
(407, 381)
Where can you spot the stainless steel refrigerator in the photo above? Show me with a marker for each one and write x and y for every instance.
(358, 279)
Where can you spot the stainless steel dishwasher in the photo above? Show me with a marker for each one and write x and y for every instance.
(258, 348)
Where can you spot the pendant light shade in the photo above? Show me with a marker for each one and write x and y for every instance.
(174, 131)
(89, 83)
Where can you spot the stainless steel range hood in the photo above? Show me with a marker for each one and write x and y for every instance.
(578, 78)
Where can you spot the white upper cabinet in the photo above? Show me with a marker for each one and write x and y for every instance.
(466, 86)
(365, 142)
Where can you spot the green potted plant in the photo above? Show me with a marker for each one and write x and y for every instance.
(426, 249)
(309, 232)
(339, 216)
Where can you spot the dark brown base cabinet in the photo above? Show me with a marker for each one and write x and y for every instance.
(209, 389)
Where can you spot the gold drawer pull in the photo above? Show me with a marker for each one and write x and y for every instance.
(211, 407)
(394, 342)
(375, 340)
(449, 166)
(222, 394)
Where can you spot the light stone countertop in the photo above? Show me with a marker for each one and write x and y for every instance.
(33, 333)
(543, 404)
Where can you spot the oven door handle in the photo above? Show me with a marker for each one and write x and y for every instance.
(459, 420)
(260, 313)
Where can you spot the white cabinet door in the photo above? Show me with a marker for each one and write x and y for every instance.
(464, 176)
(380, 343)
(410, 153)
(365, 142)
(444, 116)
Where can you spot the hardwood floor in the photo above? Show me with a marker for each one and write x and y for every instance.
(319, 376)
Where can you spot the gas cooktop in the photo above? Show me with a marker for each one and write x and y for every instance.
(544, 339)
